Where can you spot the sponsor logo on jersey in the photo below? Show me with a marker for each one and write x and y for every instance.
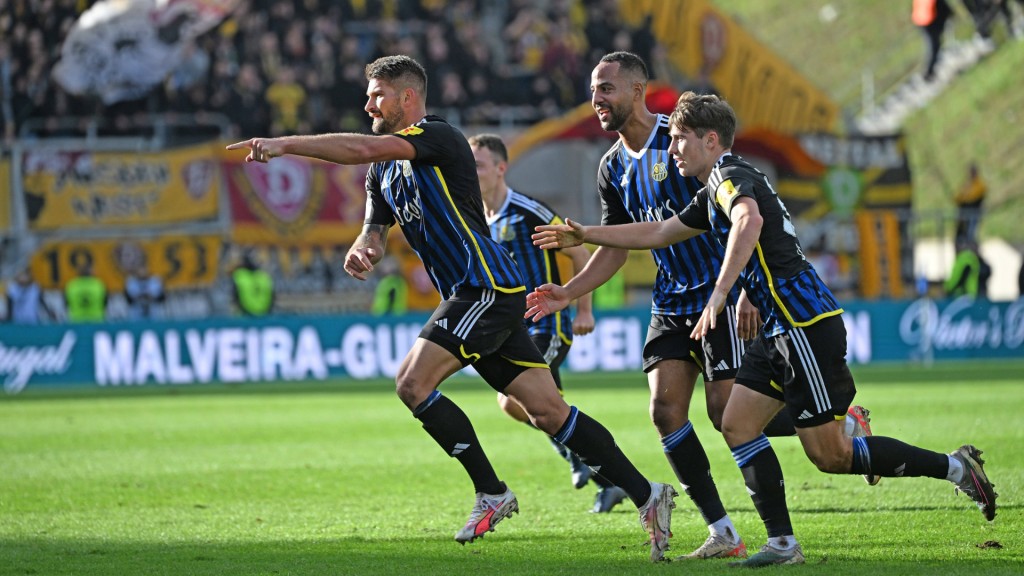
(410, 131)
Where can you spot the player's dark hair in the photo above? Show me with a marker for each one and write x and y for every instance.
(704, 113)
(629, 62)
(399, 70)
(491, 142)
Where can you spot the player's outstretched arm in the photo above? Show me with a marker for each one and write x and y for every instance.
(635, 236)
(555, 236)
(337, 148)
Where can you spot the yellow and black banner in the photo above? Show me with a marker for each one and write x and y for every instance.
(181, 261)
(67, 189)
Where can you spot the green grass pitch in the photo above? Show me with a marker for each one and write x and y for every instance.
(338, 478)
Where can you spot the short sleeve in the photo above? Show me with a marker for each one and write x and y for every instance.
(434, 141)
(730, 189)
(613, 210)
(377, 209)
(696, 214)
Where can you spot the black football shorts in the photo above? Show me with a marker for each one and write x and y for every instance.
(718, 354)
(805, 368)
(485, 328)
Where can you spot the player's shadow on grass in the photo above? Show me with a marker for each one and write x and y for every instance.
(507, 554)
(881, 509)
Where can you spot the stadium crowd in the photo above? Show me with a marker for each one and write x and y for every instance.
(278, 66)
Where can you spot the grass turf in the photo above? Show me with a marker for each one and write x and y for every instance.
(339, 479)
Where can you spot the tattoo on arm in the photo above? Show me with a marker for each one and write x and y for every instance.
(373, 236)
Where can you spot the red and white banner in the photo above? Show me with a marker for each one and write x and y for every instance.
(295, 201)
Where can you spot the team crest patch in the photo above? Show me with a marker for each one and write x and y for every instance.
(659, 172)
(410, 131)
(198, 178)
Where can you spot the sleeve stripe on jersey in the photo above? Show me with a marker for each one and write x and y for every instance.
(476, 245)
(542, 211)
(775, 296)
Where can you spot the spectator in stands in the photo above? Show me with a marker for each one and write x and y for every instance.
(970, 273)
(286, 98)
(931, 16)
(25, 303)
(295, 48)
(561, 62)
(85, 297)
(471, 37)
(247, 109)
(526, 35)
(253, 289)
(145, 294)
(318, 110)
(453, 94)
(269, 54)
(324, 64)
(968, 203)
(601, 27)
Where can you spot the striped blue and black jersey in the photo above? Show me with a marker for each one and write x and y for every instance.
(436, 200)
(645, 186)
(778, 279)
(512, 225)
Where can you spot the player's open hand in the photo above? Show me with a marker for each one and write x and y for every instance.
(260, 149)
(554, 236)
(709, 317)
(544, 300)
(748, 318)
(359, 262)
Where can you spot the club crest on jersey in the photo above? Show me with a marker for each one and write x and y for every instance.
(659, 172)
(410, 131)
(507, 234)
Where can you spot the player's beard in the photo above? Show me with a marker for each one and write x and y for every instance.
(389, 122)
(616, 118)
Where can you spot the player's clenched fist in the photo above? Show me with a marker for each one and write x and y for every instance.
(359, 262)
